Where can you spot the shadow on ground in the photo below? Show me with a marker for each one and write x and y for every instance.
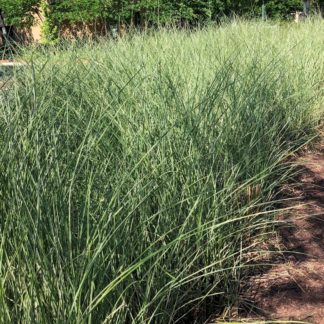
(293, 287)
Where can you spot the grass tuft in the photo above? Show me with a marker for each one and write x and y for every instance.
(135, 174)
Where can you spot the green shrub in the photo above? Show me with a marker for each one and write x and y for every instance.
(19, 12)
(151, 12)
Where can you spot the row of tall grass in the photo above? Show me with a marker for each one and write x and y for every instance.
(136, 175)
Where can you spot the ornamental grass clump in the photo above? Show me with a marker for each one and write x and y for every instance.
(135, 176)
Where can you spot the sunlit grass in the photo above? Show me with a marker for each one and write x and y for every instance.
(135, 174)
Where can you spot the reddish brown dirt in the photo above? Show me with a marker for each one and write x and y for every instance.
(292, 289)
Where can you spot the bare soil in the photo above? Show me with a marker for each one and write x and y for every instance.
(292, 288)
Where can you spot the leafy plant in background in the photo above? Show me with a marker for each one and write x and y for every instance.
(280, 9)
(80, 10)
(19, 12)
(49, 26)
(142, 12)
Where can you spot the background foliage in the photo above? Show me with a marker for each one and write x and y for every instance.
(19, 12)
(139, 12)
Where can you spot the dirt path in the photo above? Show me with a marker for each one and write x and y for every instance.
(293, 288)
